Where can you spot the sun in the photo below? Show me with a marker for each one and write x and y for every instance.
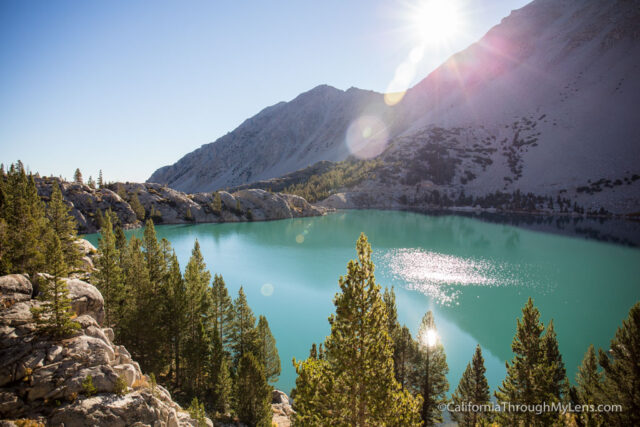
(437, 21)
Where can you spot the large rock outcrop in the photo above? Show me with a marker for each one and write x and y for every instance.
(41, 378)
(168, 206)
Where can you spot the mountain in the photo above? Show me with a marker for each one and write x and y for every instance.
(280, 139)
(545, 103)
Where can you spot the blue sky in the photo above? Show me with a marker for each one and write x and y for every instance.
(129, 86)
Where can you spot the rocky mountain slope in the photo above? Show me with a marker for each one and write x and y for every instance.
(280, 139)
(167, 206)
(41, 378)
(544, 103)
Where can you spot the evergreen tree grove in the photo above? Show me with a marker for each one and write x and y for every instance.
(362, 389)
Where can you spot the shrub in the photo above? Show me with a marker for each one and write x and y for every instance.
(87, 386)
(120, 387)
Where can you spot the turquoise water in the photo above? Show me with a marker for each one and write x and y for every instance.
(474, 275)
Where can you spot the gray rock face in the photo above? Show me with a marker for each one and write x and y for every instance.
(41, 378)
(282, 138)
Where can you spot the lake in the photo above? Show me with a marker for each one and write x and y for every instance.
(474, 275)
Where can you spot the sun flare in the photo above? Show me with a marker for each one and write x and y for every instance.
(437, 21)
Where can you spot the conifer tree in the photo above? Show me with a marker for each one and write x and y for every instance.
(589, 388)
(91, 183)
(244, 336)
(525, 381)
(100, 180)
(153, 254)
(77, 177)
(54, 315)
(621, 366)
(137, 207)
(196, 279)
(121, 239)
(177, 315)
(473, 389)
(223, 387)
(267, 351)
(405, 355)
(64, 226)
(555, 376)
(314, 382)
(431, 371)
(222, 310)
(253, 394)
(359, 354)
(108, 276)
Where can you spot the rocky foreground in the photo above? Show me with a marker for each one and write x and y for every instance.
(41, 379)
(167, 206)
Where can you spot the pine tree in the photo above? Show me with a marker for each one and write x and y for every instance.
(359, 354)
(177, 315)
(314, 382)
(431, 371)
(267, 351)
(244, 336)
(108, 276)
(121, 239)
(64, 226)
(153, 255)
(589, 388)
(54, 315)
(473, 389)
(223, 387)
(137, 207)
(196, 279)
(555, 376)
(525, 382)
(621, 366)
(222, 310)
(100, 180)
(77, 177)
(253, 394)
(91, 183)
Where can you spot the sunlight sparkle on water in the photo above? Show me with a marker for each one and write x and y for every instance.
(439, 275)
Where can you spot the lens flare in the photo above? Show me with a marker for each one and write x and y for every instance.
(267, 289)
(300, 238)
(367, 137)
